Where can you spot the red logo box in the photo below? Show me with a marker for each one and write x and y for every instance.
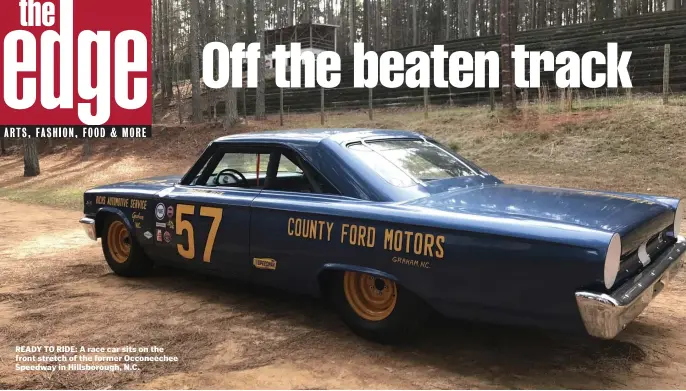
(76, 62)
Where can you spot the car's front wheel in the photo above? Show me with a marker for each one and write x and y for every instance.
(378, 308)
(122, 252)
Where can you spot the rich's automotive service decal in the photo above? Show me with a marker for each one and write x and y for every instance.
(119, 202)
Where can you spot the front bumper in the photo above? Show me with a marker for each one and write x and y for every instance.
(605, 315)
(88, 225)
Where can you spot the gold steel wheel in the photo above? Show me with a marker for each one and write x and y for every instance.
(119, 242)
(372, 298)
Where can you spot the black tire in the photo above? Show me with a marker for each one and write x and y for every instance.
(404, 322)
(136, 263)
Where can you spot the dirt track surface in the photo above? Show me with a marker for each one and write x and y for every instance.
(55, 289)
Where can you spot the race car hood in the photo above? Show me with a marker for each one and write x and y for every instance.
(634, 217)
(154, 183)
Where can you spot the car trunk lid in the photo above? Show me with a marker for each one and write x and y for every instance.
(634, 218)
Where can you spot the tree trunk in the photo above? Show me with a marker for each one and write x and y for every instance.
(176, 73)
(447, 19)
(195, 62)
(31, 164)
(159, 48)
(166, 48)
(377, 25)
(230, 38)
(365, 24)
(203, 16)
(414, 23)
(389, 25)
(213, 21)
(179, 103)
(155, 49)
(493, 19)
(343, 23)
(259, 94)
(471, 18)
(460, 19)
(214, 36)
(289, 6)
(351, 25)
(506, 40)
(250, 20)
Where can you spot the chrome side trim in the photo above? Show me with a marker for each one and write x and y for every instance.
(88, 225)
(605, 315)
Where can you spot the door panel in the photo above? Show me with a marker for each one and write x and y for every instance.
(205, 229)
(291, 260)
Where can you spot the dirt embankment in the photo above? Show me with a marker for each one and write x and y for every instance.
(636, 147)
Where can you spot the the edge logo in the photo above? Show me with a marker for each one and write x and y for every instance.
(108, 56)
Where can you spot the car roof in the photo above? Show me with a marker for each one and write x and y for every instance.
(314, 136)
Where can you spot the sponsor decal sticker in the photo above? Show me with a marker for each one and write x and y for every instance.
(160, 225)
(264, 263)
(170, 224)
(137, 216)
(120, 202)
(167, 236)
(159, 235)
(159, 211)
(170, 211)
(147, 235)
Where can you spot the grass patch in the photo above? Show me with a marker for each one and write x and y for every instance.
(69, 198)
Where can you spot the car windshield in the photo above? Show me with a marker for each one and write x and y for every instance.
(404, 163)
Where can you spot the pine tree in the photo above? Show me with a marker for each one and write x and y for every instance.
(259, 94)
(31, 163)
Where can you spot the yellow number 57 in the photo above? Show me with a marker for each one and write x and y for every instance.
(185, 225)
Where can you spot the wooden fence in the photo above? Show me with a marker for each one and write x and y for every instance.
(646, 36)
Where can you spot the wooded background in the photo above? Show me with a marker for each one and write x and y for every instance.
(183, 27)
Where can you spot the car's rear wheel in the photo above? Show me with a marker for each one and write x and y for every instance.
(378, 308)
(122, 252)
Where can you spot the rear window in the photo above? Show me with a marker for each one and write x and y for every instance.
(404, 163)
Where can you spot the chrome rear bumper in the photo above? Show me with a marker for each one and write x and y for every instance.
(89, 226)
(605, 315)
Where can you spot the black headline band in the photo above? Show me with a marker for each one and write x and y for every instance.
(75, 131)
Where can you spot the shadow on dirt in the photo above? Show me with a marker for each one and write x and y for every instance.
(501, 356)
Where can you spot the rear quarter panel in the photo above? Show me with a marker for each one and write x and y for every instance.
(461, 273)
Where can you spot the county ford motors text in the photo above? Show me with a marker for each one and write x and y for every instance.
(75, 132)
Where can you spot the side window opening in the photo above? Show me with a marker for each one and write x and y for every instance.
(235, 169)
(272, 169)
(295, 175)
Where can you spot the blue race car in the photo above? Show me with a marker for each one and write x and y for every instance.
(391, 225)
